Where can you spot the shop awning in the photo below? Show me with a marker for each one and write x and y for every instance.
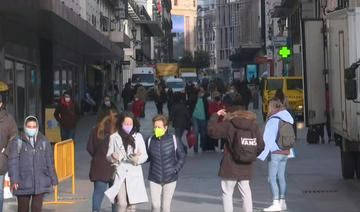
(52, 20)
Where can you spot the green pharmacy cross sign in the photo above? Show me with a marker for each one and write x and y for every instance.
(284, 52)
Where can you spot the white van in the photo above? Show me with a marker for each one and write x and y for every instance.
(176, 84)
(144, 76)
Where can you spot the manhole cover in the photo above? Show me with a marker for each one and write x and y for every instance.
(319, 191)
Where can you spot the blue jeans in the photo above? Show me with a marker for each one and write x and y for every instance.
(179, 133)
(200, 128)
(277, 167)
(67, 134)
(98, 195)
(2, 177)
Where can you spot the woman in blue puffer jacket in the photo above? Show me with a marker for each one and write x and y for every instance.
(31, 167)
(167, 157)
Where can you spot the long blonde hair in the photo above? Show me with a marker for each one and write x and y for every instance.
(107, 120)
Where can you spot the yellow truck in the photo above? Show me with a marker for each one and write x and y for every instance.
(292, 88)
(166, 70)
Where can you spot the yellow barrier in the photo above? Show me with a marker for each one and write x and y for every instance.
(52, 129)
(64, 159)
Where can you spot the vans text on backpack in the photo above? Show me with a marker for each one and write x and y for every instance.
(244, 149)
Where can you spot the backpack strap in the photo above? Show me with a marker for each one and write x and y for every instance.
(175, 142)
(148, 143)
(44, 145)
(19, 145)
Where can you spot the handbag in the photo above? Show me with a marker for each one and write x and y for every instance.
(191, 138)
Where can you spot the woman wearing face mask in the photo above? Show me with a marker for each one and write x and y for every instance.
(67, 114)
(167, 157)
(199, 119)
(127, 152)
(97, 147)
(105, 107)
(31, 167)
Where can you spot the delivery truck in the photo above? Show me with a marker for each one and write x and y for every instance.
(331, 49)
(167, 70)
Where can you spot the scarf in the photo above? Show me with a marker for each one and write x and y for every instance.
(127, 139)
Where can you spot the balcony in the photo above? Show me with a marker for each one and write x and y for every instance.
(134, 11)
(120, 38)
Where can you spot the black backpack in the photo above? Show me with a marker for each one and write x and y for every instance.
(286, 135)
(244, 146)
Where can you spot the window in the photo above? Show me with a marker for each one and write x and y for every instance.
(274, 84)
(294, 84)
(93, 20)
(226, 38)
(175, 2)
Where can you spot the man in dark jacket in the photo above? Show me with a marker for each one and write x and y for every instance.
(180, 117)
(226, 124)
(67, 114)
(8, 130)
(127, 95)
(31, 166)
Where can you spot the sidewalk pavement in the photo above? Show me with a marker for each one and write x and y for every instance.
(314, 179)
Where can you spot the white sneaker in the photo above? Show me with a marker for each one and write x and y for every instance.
(283, 204)
(274, 207)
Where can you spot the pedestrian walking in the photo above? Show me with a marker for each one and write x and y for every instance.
(138, 107)
(159, 98)
(199, 119)
(67, 114)
(244, 143)
(170, 100)
(127, 95)
(127, 152)
(105, 107)
(8, 130)
(31, 167)
(180, 117)
(100, 168)
(141, 93)
(278, 157)
(166, 160)
(214, 106)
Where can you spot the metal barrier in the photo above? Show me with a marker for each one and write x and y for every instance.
(64, 159)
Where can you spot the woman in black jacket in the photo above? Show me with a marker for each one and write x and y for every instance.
(166, 161)
(180, 117)
(97, 146)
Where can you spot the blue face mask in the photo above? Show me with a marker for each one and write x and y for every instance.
(31, 132)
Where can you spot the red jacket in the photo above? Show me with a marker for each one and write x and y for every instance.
(215, 107)
(137, 108)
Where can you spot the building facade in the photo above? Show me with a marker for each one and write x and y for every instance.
(49, 47)
(206, 33)
(184, 15)
(238, 33)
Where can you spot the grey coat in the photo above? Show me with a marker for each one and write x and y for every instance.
(33, 168)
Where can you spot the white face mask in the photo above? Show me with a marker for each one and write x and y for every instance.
(31, 132)
(108, 103)
(67, 99)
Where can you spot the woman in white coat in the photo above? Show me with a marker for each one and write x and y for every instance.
(127, 152)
